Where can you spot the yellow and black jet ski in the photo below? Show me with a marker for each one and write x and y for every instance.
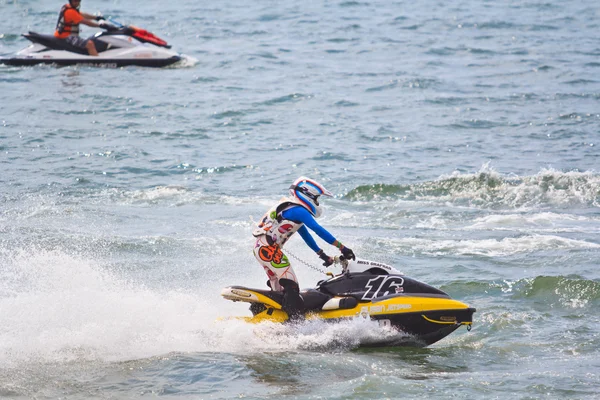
(368, 289)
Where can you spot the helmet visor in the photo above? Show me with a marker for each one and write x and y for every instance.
(306, 191)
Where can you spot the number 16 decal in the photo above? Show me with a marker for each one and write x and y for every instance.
(382, 286)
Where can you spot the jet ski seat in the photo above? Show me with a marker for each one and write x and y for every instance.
(59, 44)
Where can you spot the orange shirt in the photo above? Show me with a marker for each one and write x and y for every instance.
(72, 17)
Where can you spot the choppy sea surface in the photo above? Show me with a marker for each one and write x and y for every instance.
(461, 140)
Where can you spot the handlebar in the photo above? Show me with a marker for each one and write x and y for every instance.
(341, 260)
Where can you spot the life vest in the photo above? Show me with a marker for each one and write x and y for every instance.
(277, 229)
(63, 26)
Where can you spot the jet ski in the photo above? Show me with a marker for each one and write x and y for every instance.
(368, 289)
(118, 46)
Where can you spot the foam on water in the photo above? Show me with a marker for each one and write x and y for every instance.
(185, 62)
(59, 307)
(178, 196)
(488, 247)
(544, 221)
(62, 307)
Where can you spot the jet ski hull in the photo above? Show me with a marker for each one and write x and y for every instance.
(421, 314)
(92, 62)
(423, 320)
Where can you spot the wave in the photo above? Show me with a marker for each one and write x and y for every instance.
(566, 291)
(417, 83)
(570, 291)
(484, 247)
(9, 37)
(293, 97)
(490, 189)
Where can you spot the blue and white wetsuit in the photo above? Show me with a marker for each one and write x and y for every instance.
(301, 214)
(274, 230)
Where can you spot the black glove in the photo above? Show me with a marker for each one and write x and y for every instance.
(348, 253)
(328, 260)
(99, 18)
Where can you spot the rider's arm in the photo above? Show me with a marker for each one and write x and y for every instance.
(89, 22)
(301, 214)
(308, 239)
(75, 17)
(88, 16)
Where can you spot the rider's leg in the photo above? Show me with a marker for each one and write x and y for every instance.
(281, 276)
(274, 262)
(91, 48)
(293, 303)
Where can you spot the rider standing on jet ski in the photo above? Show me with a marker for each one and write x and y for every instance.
(67, 27)
(291, 215)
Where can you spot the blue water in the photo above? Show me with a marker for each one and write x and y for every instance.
(460, 139)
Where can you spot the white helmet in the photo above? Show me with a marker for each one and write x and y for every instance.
(306, 192)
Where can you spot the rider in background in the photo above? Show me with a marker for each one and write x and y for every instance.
(290, 215)
(67, 27)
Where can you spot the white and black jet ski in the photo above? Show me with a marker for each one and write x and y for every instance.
(118, 46)
(367, 289)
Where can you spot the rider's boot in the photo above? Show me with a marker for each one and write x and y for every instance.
(293, 304)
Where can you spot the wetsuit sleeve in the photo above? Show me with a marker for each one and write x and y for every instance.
(308, 239)
(301, 214)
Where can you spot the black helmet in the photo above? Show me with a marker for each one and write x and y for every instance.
(75, 6)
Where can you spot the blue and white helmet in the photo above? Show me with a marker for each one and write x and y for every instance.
(306, 192)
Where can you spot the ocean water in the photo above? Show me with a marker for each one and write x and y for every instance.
(460, 139)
